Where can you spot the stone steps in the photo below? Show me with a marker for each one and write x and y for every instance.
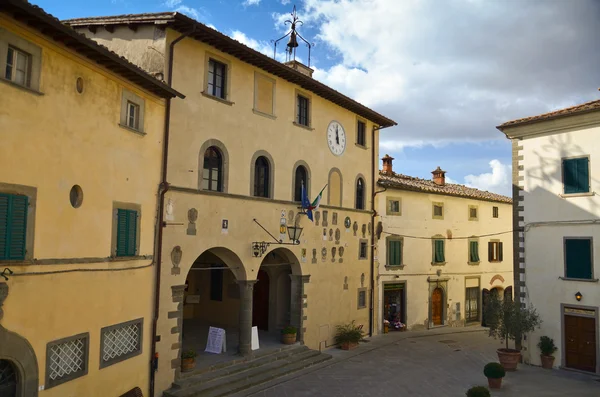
(240, 376)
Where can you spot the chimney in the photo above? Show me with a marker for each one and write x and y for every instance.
(300, 67)
(387, 164)
(439, 176)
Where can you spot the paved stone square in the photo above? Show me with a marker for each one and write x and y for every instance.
(439, 365)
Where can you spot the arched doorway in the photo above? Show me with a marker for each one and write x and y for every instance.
(211, 299)
(9, 379)
(260, 301)
(437, 299)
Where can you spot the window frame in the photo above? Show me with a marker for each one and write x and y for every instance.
(435, 239)
(360, 203)
(86, 355)
(295, 181)
(223, 79)
(128, 97)
(388, 262)
(591, 242)
(495, 247)
(253, 176)
(563, 173)
(129, 207)
(308, 97)
(136, 115)
(495, 212)
(389, 210)
(228, 81)
(264, 179)
(361, 291)
(31, 194)
(437, 204)
(470, 261)
(360, 121)
(363, 242)
(14, 66)
(219, 156)
(34, 60)
(476, 209)
(103, 363)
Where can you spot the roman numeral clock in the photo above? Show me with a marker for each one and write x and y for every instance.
(336, 138)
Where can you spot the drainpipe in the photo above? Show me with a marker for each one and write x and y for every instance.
(373, 214)
(162, 190)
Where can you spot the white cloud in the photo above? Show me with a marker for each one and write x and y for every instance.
(247, 3)
(497, 181)
(189, 11)
(172, 3)
(285, 2)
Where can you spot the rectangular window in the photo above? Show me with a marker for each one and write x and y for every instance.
(217, 78)
(438, 251)
(438, 210)
(120, 342)
(13, 226)
(127, 228)
(303, 109)
(473, 252)
(394, 207)
(578, 258)
(361, 133)
(473, 215)
(133, 115)
(394, 250)
(472, 304)
(362, 250)
(362, 298)
(495, 212)
(576, 177)
(18, 66)
(66, 359)
(495, 251)
(216, 284)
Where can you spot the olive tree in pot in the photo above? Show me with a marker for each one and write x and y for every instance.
(547, 347)
(288, 335)
(508, 320)
(494, 372)
(348, 335)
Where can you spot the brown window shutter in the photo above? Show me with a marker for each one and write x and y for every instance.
(500, 251)
(490, 251)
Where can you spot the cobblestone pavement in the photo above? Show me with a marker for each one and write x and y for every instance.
(440, 365)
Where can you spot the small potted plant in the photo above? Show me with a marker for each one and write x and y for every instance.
(494, 372)
(288, 335)
(386, 326)
(348, 336)
(188, 360)
(478, 391)
(547, 347)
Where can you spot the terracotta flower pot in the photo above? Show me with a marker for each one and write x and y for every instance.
(509, 358)
(349, 345)
(547, 361)
(494, 383)
(188, 364)
(386, 328)
(288, 339)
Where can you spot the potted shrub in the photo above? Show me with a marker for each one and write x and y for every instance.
(547, 347)
(288, 335)
(508, 320)
(478, 391)
(494, 372)
(348, 335)
(188, 360)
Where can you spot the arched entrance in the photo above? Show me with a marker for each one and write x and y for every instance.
(508, 293)
(211, 299)
(9, 379)
(437, 299)
(260, 301)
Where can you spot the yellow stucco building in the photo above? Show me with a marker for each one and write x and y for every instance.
(442, 248)
(81, 133)
(250, 133)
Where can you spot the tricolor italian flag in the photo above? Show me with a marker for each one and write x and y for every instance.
(307, 205)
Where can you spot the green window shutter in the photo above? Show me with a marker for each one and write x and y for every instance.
(578, 255)
(394, 253)
(439, 251)
(126, 232)
(583, 176)
(473, 251)
(576, 175)
(13, 226)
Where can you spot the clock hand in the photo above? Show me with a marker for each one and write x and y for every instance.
(337, 137)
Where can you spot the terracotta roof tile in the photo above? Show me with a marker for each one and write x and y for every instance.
(405, 182)
(583, 108)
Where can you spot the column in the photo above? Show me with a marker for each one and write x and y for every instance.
(245, 325)
(297, 303)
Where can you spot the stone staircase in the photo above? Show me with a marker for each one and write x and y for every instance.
(234, 377)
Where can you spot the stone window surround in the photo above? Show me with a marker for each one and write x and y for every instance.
(207, 57)
(50, 383)
(476, 208)
(224, 167)
(124, 206)
(140, 321)
(331, 171)
(387, 256)
(359, 291)
(363, 120)
(565, 238)
(388, 209)
(129, 96)
(360, 242)
(7, 39)
(31, 193)
(306, 95)
(472, 239)
(269, 158)
(437, 204)
(258, 76)
(308, 174)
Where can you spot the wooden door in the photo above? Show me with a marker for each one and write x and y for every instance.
(260, 302)
(436, 306)
(580, 343)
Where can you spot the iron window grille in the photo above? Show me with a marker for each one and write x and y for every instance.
(217, 78)
(66, 359)
(120, 342)
(303, 109)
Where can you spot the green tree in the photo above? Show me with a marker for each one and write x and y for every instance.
(506, 319)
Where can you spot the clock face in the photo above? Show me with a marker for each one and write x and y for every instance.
(336, 138)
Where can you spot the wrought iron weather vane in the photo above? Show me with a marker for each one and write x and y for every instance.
(290, 48)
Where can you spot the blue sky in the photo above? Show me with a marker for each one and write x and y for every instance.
(447, 71)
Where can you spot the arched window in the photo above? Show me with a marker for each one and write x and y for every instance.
(261, 177)
(212, 177)
(334, 188)
(300, 179)
(360, 194)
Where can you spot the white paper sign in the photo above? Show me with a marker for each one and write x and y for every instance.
(254, 338)
(216, 341)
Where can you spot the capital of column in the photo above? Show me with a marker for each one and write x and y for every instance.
(300, 278)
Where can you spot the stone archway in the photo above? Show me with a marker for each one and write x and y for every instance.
(17, 351)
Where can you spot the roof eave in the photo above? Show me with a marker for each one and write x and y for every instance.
(503, 127)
